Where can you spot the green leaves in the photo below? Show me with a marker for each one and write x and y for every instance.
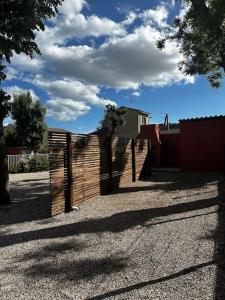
(201, 34)
(113, 118)
(4, 105)
(19, 19)
(29, 116)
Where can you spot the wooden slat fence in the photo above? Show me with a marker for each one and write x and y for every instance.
(85, 166)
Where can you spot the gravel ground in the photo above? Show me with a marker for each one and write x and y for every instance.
(162, 238)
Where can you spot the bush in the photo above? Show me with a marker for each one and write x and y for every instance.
(38, 163)
(33, 164)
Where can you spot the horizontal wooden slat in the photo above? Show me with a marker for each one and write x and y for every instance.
(90, 166)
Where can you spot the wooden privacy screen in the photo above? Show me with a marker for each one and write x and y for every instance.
(85, 166)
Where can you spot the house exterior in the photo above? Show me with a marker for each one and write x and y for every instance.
(196, 144)
(134, 118)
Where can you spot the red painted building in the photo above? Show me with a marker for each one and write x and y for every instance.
(198, 144)
(202, 144)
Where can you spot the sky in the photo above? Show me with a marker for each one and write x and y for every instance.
(97, 52)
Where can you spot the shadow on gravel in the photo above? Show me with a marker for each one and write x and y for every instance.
(219, 238)
(50, 262)
(115, 223)
(171, 182)
(219, 256)
(30, 201)
(52, 251)
(151, 282)
(65, 270)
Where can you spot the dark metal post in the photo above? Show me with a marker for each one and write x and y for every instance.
(150, 158)
(109, 143)
(133, 160)
(69, 197)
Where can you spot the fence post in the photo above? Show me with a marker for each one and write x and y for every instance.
(69, 196)
(109, 150)
(150, 157)
(133, 160)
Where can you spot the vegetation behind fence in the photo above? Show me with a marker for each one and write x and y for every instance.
(15, 160)
(85, 166)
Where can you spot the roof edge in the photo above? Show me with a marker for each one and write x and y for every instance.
(202, 118)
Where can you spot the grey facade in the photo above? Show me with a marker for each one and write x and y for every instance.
(134, 118)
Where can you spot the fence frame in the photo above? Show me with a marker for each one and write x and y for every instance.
(65, 143)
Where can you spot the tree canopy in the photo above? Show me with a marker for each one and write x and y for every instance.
(200, 30)
(28, 115)
(19, 20)
(113, 118)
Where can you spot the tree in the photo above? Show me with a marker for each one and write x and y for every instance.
(19, 20)
(11, 137)
(4, 108)
(113, 118)
(200, 31)
(29, 115)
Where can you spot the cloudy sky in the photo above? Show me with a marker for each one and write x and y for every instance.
(96, 52)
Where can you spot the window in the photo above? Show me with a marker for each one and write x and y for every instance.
(144, 121)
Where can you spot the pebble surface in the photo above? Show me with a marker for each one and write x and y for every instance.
(162, 238)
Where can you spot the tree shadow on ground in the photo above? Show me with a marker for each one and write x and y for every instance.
(143, 284)
(218, 235)
(50, 262)
(219, 238)
(219, 256)
(74, 270)
(53, 250)
(114, 223)
(172, 182)
(30, 201)
(89, 268)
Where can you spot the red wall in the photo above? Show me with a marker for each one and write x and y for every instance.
(151, 132)
(170, 150)
(202, 145)
(15, 150)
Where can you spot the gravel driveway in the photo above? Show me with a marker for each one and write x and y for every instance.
(162, 238)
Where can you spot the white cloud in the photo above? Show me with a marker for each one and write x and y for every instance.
(70, 99)
(158, 16)
(25, 64)
(122, 62)
(11, 73)
(73, 75)
(70, 8)
(70, 23)
(66, 109)
(131, 17)
(15, 90)
(136, 94)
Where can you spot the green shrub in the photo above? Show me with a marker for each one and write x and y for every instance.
(38, 163)
(33, 164)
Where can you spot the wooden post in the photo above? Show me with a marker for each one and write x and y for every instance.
(149, 158)
(69, 196)
(109, 149)
(133, 160)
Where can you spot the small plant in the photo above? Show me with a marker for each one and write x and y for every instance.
(38, 163)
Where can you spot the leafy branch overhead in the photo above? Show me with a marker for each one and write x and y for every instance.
(19, 20)
(200, 32)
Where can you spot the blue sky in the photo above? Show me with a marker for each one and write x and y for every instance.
(97, 52)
